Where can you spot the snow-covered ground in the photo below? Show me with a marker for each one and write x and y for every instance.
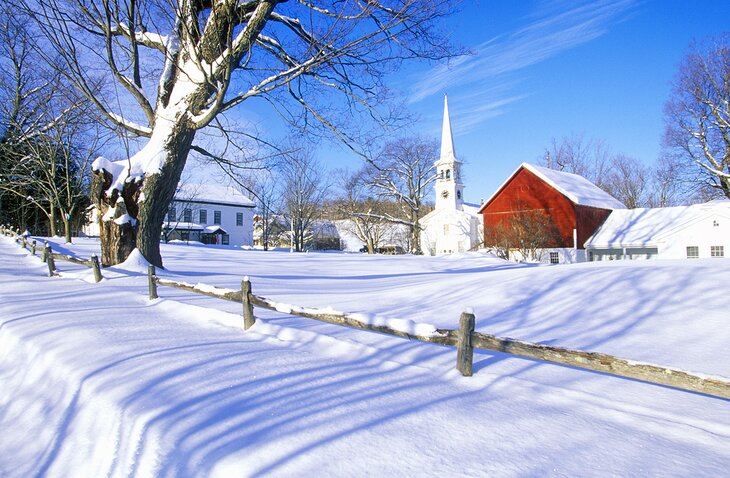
(96, 380)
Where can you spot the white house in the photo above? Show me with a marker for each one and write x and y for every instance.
(453, 226)
(682, 232)
(202, 213)
(210, 214)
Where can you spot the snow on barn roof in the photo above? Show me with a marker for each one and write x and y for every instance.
(208, 193)
(647, 226)
(576, 188)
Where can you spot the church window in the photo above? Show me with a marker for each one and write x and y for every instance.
(448, 173)
(458, 194)
(446, 229)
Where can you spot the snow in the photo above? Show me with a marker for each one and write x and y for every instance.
(134, 263)
(99, 381)
(577, 188)
(125, 219)
(210, 193)
(645, 226)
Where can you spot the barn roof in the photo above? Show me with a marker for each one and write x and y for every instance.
(576, 188)
(209, 193)
(647, 226)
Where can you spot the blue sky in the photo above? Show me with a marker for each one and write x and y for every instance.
(549, 69)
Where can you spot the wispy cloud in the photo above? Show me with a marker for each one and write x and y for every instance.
(554, 28)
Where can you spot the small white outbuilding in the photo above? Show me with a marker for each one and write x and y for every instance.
(681, 232)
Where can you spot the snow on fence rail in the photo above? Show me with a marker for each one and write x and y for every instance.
(465, 338)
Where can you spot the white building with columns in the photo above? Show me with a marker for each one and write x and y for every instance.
(453, 226)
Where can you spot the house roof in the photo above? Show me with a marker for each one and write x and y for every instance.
(576, 188)
(648, 226)
(215, 229)
(215, 194)
(183, 226)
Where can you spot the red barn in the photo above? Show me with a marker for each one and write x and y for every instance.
(574, 205)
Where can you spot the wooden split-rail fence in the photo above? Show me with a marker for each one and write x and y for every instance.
(465, 338)
(50, 257)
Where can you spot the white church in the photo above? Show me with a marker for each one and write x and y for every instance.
(453, 226)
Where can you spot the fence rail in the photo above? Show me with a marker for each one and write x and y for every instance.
(465, 338)
(50, 257)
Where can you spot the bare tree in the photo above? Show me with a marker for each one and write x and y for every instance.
(525, 232)
(668, 187)
(46, 142)
(266, 190)
(304, 187)
(365, 214)
(628, 180)
(575, 154)
(403, 173)
(53, 174)
(697, 115)
(181, 65)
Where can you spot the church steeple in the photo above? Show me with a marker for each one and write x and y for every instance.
(449, 189)
(447, 139)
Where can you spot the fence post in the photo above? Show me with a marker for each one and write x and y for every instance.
(152, 283)
(248, 317)
(95, 267)
(24, 242)
(44, 254)
(465, 350)
(33, 246)
(49, 260)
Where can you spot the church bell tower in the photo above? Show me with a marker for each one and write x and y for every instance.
(449, 188)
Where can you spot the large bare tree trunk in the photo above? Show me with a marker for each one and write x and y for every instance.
(133, 218)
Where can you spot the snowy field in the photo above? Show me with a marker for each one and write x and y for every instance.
(96, 380)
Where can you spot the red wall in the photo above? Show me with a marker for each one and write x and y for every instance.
(589, 219)
(527, 192)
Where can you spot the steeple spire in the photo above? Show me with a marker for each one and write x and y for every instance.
(447, 140)
(449, 188)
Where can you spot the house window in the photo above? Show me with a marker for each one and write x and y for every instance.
(693, 252)
(203, 216)
(239, 219)
(171, 214)
(188, 215)
(216, 217)
(717, 251)
(225, 239)
(554, 258)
